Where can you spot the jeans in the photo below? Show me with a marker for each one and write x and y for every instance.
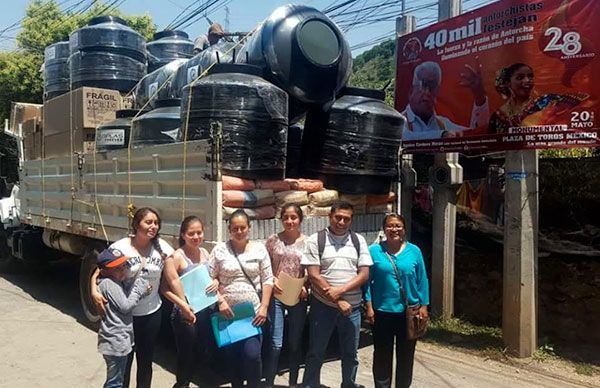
(387, 327)
(145, 333)
(323, 320)
(115, 371)
(244, 361)
(191, 341)
(296, 318)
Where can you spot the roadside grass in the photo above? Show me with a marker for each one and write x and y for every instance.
(486, 341)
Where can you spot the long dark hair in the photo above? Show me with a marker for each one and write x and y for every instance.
(503, 78)
(296, 208)
(137, 219)
(239, 213)
(185, 224)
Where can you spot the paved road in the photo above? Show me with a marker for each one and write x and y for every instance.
(44, 342)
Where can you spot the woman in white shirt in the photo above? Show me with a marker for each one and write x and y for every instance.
(243, 269)
(147, 252)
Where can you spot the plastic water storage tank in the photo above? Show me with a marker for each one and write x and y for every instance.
(167, 46)
(56, 70)
(114, 134)
(158, 85)
(353, 146)
(159, 126)
(303, 52)
(253, 113)
(107, 54)
(221, 52)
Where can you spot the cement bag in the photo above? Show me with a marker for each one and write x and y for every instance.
(382, 199)
(257, 213)
(248, 199)
(319, 211)
(385, 208)
(276, 186)
(308, 185)
(291, 196)
(235, 183)
(323, 198)
(358, 201)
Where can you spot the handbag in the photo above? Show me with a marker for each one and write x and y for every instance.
(416, 326)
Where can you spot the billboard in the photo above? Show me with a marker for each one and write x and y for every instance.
(515, 74)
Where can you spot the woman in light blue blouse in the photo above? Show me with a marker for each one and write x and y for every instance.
(386, 309)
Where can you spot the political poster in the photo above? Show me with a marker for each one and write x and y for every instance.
(512, 75)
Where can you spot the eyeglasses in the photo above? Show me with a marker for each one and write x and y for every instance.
(394, 227)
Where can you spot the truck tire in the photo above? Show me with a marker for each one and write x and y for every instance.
(8, 263)
(88, 266)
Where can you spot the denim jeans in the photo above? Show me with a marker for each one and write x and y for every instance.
(244, 362)
(115, 371)
(323, 320)
(296, 318)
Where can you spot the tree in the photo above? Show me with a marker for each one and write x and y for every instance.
(44, 24)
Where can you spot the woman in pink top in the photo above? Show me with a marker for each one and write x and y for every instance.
(285, 250)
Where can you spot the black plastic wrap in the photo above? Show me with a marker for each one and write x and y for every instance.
(221, 52)
(109, 34)
(294, 147)
(354, 145)
(114, 134)
(56, 70)
(159, 126)
(303, 52)
(168, 46)
(160, 80)
(253, 113)
(105, 70)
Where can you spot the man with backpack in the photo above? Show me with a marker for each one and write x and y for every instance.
(337, 261)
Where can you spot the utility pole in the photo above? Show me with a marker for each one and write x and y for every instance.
(408, 176)
(445, 176)
(226, 18)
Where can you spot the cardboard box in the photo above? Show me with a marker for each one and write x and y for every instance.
(32, 138)
(21, 112)
(80, 109)
(59, 144)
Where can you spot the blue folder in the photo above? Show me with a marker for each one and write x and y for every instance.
(229, 331)
(194, 287)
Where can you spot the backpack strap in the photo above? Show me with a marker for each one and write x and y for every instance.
(322, 235)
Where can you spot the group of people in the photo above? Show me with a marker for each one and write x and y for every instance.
(343, 275)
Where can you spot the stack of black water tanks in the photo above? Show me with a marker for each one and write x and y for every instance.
(56, 70)
(167, 46)
(107, 54)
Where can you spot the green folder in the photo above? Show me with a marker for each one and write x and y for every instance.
(229, 331)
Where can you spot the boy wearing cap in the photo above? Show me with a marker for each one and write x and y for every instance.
(115, 336)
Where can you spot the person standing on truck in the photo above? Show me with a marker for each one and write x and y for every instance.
(190, 337)
(215, 33)
(285, 250)
(146, 252)
(115, 336)
(243, 269)
(338, 262)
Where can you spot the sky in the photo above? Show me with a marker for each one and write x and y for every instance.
(246, 14)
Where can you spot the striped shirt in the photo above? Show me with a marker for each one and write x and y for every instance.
(339, 263)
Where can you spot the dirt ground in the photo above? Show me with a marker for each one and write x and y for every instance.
(45, 342)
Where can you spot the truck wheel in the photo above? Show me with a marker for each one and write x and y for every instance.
(8, 263)
(88, 266)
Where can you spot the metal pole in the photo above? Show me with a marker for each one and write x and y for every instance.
(445, 175)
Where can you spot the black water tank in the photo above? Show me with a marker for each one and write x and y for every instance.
(167, 46)
(107, 54)
(303, 52)
(221, 52)
(56, 70)
(158, 85)
(353, 146)
(158, 126)
(253, 114)
(294, 146)
(114, 134)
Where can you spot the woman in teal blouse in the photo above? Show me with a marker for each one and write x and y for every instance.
(385, 303)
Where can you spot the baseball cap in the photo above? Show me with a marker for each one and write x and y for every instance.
(111, 258)
(216, 29)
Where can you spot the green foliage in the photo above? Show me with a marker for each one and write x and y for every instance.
(45, 23)
(375, 68)
(568, 153)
